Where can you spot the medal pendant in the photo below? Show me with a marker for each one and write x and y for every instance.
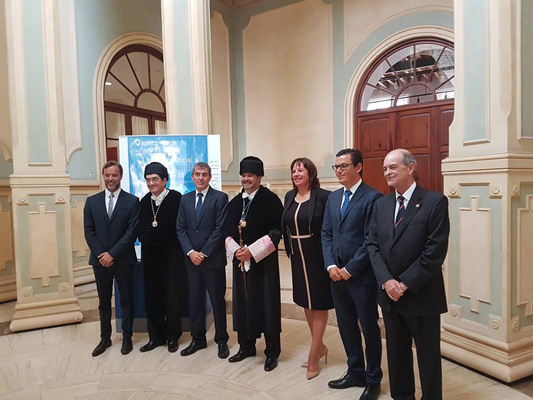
(154, 223)
(243, 223)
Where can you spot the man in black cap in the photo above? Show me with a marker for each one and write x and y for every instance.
(253, 229)
(165, 280)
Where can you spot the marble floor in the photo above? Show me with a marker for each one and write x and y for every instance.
(56, 363)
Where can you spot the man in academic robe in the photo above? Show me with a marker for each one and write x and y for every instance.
(165, 280)
(200, 226)
(408, 242)
(253, 228)
(110, 220)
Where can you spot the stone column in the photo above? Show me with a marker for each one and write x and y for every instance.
(39, 183)
(488, 179)
(187, 50)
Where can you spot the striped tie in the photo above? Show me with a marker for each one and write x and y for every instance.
(401, 211)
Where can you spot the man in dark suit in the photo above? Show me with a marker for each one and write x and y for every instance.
(110, 221)
(408, 242)
(200, 226)
(353, 285)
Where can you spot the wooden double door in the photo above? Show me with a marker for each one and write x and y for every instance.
(421, 129)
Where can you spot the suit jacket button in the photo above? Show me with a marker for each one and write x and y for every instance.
(196, 231)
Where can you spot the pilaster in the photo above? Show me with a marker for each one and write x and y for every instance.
(188, 80)
(488, 179)
(40, 187)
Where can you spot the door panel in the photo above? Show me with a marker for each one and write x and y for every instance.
(414, 128)
(424, 131)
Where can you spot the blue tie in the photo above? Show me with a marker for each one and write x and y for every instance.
(199, 206)
(347, 195)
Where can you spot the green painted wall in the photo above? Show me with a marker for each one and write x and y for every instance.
(236, 20)
(98, 23)
(475, 60)
(32, 21)
(24, 237)
(526, 62)
(516, 203)
(495, 206)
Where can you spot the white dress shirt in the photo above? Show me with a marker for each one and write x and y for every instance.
(407, 196)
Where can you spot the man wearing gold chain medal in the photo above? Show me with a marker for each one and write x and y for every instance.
(253, 233)
(165, 280)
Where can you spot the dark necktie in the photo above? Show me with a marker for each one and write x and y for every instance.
(246, 201)
(401, 211)
(110, 206)
(344, 206)
(199, 205)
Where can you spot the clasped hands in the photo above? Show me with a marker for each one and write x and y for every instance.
(197, 257)
(394, 289)
(338, 274)
(243, 254)
(105, 259)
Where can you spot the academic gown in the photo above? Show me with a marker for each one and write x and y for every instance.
(165, 278)
(256, 293)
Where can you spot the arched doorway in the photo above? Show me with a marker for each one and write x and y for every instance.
(405, 100)
(134, 95)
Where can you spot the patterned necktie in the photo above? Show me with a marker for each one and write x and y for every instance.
(199, 205)
(110, 206)
(344, 206)
(401, 211)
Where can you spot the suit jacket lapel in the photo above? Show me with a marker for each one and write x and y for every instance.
(390, 208)
(355, 197)
(412, 208)
(312, 202)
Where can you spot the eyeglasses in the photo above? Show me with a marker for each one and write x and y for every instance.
(153, 180)
(342, 167)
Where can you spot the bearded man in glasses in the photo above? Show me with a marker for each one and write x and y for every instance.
(353, 283)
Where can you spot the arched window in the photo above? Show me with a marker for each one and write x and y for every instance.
(414, 73)
(134, 95)
(406, 100)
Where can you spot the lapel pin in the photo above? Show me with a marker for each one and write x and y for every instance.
(417, 206)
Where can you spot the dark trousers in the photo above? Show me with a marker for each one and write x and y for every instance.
(163, 298)
(401, 330)
(214, 280)
(273, 344)
(354, 304)
(104, 285)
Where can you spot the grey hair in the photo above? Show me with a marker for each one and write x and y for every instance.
(408, 158)
(201, 165)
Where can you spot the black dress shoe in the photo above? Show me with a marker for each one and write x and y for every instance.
(173, 346)
(193, 348)
(371, 392)
(151, 345)
(102, 346)
(346, 381)
(127, 346)
(271, 363)
(241, 355)
(223, 351)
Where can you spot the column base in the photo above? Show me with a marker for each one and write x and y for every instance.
(507, 362)
(45, 314)
(8, 290)
(83, 275)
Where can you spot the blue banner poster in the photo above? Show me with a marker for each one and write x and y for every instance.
(176, 152)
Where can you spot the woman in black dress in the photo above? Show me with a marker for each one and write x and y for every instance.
(301, 226)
